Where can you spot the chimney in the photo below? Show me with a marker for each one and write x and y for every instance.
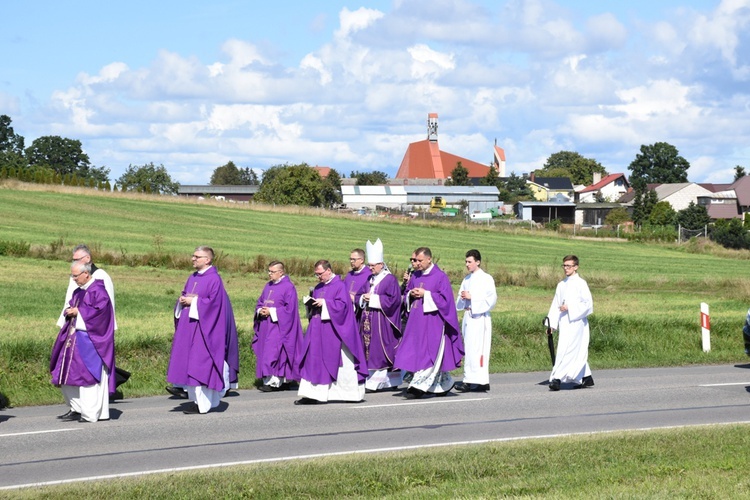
(532, 177)
(597, 177)
(432, 127)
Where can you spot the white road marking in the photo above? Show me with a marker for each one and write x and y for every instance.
(38, 432)
(354, 452)
(418, 402)
(720, 385)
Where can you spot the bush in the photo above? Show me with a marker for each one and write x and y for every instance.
(617, 216)
(730, 234)
(14, 248)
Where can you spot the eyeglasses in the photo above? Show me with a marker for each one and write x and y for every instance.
(413, 260)
(75, 276)
(274, 272)
(569, 266)
(356, 259)
(318, 275)
(200, 256)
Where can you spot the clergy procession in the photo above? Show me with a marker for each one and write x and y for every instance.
(366, 333)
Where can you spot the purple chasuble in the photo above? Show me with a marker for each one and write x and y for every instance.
(357, 284)
(275, 344)
(200, 347)
(78, 356)
(320, 355)
(424, 330)
(381, 328)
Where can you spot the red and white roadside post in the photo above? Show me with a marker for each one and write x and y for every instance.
(705, 327)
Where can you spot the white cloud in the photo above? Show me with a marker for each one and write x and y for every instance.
(353, 21)
(538, 76)
(604, 32)
(429, 63)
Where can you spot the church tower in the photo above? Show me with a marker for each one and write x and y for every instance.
(432, 127)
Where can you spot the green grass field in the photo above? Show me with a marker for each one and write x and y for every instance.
(646, 296)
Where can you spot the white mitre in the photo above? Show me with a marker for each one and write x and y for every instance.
(374, 252)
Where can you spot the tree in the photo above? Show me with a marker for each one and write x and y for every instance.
(332, 189)
(662, 214)
(514, 188)
(64, 156)
(10, 142)
(643, 203)
(374, 178)
(11, 146)
(292, 185)
(659, 163)
(228, 175)
(617, 216)
(731, 234)
(248, 177)
(573, 165)
(693, 217)
(148, 178)
(491, 179)
(739, 172)
(459, 176)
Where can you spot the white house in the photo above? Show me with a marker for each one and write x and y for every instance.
(610, 189)
(680, 195)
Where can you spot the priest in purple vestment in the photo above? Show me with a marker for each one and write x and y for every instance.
(332, 362)
(380, 322)
(278, 331)
(83, 356)
(205, 352)
(432, 344)
(356, 280)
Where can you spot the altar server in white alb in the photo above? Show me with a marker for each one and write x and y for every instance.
(476, 298)
(568, 314)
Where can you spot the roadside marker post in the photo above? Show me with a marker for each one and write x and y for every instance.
(705, 327)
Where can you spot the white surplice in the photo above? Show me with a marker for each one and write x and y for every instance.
(571, 361)
(477, 325)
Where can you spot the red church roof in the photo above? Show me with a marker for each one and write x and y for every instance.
(424, 160)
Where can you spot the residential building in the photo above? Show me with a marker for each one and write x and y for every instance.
(546, 188)
(607, 189)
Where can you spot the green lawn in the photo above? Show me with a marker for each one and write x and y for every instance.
(646, 296)
(700, 462)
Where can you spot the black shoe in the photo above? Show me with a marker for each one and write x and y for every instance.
(412, 393)
(66, 415)
(309, 401)
(268, 388)
(71, 416)
(587, 381)
(177, 391)
(191, 410)
(554, 385)
(115, 396)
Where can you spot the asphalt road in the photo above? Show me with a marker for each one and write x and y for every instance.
(152, 434)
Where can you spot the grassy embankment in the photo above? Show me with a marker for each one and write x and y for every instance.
(646, 295)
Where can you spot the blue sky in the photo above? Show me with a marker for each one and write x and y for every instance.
(192, 85)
